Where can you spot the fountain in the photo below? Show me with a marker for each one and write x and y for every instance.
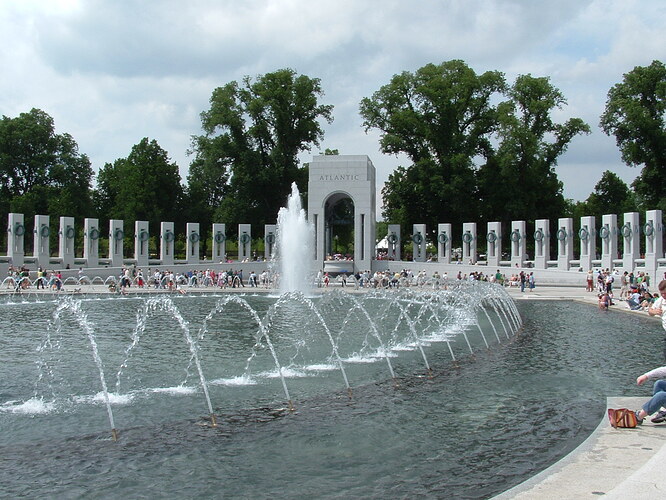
(212, 375)
(295, 236)
(488, 395)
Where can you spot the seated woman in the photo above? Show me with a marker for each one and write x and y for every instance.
(646, 300)
(658, 399)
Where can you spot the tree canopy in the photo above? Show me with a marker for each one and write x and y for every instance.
(247, 159)
(42, 172)
(634, 114)
(519, 178)
(143, 186)
(441, 117)
(611, 195)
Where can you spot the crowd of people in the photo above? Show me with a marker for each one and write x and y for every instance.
(176, 281)
(634, 289)
(20, 279)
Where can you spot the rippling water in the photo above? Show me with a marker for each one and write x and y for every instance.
(471, 431)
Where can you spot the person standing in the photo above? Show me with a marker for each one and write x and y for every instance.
(624, 283)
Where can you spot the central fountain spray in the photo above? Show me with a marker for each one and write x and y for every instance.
(295, 237)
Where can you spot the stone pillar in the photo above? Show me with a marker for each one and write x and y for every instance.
(654, 232)
(587, 235)
(270, 230)
(564, 237)
(541, 243)
(419, 242)
(67, 235)
(443, 243)
(141, 243)
(608, 235)
(364, 234)
(91, 234)
(42, 250)
(193, 238)
(517, 238)
(219, 242)
(631, 240)
(167, 243)
(494, 244)
(393, 239)
(469, 243)
(116, 236)
(16, 240)
(244, 241)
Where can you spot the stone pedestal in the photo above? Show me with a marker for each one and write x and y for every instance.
(494, 244)
(116, 237)
(91, 234)
(631, 240)
(394, 242)
(587, 236)
(419, 242)
(608, 235)
(564, 235)
(16, 240)
(469, 243)
(443, 243)
(167, 243)
(141, 243)
(541, 243)
(67, 236)
(270, 232)
(193, 239)
(244, 242)
(654, 233)
(219, 242)
(517, 238)
(42, 232)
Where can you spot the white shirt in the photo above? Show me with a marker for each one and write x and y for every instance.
(660, 303)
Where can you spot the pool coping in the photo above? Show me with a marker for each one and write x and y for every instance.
(613, 463)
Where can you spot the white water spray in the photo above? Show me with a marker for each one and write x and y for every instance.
(295, 238)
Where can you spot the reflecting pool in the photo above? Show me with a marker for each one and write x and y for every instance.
(437, 414)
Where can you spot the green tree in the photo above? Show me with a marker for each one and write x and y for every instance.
(42, 172)
(441, 117)
(520, 180)
(611, 195)
(634, 114)
(143, 186)
(248, 157)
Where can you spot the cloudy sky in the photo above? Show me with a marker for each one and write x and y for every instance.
(113, 72)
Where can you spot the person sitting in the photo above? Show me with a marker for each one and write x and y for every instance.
(646, 300)
(634, 300)
(658, 399)
(604, 301)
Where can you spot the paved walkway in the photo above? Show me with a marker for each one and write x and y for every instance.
(613, 463)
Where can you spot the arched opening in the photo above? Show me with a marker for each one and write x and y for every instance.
(339, 227)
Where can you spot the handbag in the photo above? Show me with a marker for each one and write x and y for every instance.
(622, 417)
